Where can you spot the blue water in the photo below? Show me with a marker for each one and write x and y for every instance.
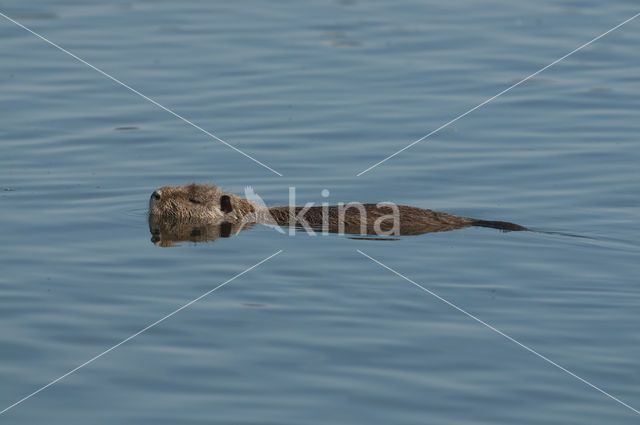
(319, 91)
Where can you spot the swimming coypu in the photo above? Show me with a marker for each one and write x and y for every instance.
(206, 212)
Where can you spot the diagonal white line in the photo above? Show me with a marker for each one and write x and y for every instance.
(499, 94)
(135, 334)
(499, 332)
(139, 94)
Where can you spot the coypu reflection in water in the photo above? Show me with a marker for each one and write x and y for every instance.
(168, 232)
(200, 213)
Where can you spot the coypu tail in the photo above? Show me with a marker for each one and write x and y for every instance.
(501, 225)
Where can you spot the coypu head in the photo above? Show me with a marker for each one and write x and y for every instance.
(197, 203)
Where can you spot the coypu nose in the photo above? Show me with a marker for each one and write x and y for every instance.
(156, 195)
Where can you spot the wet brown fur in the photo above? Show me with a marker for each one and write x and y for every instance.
(197, 202)
(412, 220)
(205, 212)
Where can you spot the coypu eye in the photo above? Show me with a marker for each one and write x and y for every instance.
(156, 195)
(194, 201)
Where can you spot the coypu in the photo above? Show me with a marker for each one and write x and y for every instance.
(206, 212)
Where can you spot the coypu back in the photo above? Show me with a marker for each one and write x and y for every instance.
(378, 219)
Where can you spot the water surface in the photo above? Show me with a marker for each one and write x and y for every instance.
(320, 91)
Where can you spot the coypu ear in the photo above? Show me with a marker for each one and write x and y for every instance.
(225, 204)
